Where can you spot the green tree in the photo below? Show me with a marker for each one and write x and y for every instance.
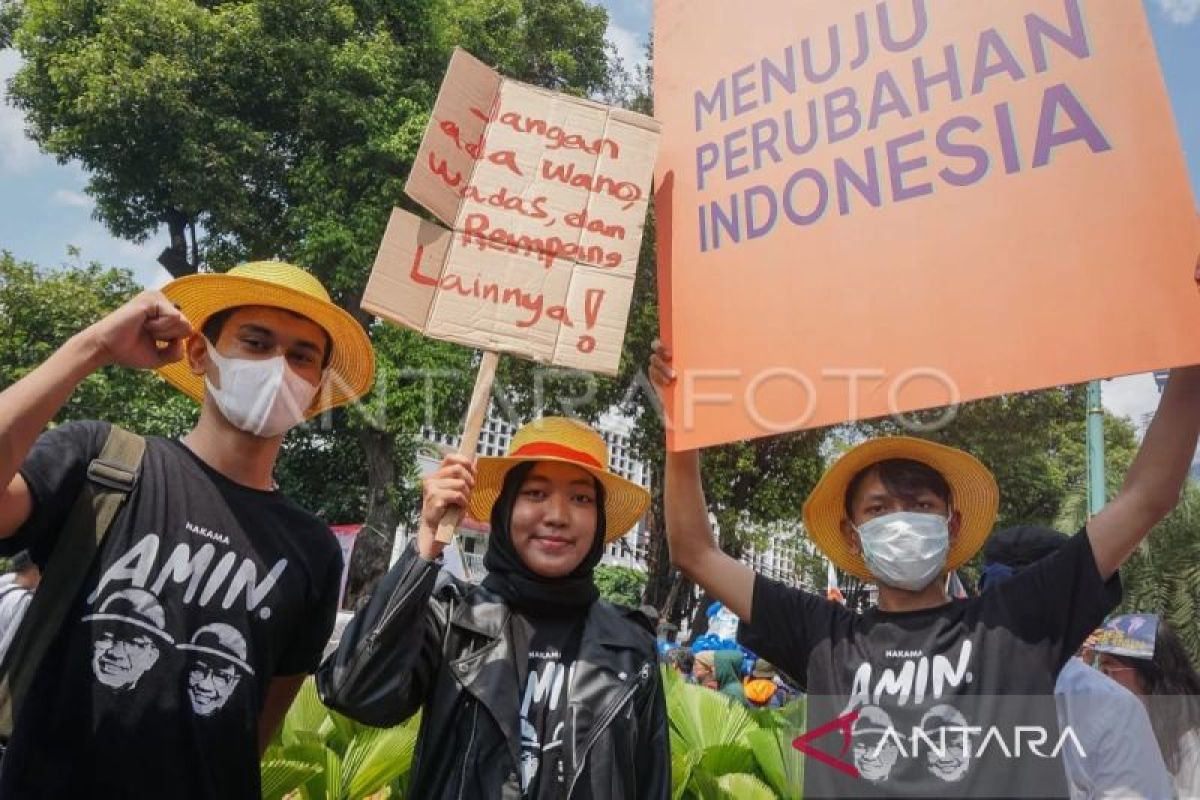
(286, 128)
(1163, 574)
(1120, 446)
(40, 309)
(619, 584)
(558, 45)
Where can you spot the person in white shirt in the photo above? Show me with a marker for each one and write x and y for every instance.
(16, 592)
(1144, 654)
(1120, 756)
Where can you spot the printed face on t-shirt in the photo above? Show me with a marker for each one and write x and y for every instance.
(554, 518)
(121, 655)
(874, 750)
(946, 729)
(210, 684)
(875, 756)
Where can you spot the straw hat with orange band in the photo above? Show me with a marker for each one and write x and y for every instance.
(569, 442)
(973, 494)
(351, 369)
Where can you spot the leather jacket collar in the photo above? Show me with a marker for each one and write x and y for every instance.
(489, 671)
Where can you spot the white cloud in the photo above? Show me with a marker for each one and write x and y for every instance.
(1133, 396)
(1136, 397)
(65, 197)
(630, 46)
(97, 244)
(17, 153)
(1181, 12)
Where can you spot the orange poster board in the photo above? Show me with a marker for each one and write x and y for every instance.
(870, 207)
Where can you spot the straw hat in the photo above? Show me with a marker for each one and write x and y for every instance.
(569, 442)
(280, 285)
(973, 494)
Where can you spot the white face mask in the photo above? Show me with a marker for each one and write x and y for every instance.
(905, 549)
(260, 396)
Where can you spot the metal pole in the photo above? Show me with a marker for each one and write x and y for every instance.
(1095, 449)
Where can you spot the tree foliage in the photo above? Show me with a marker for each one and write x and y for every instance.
(622, 585)
(41, 309)
(1163, 574)
(286, 128)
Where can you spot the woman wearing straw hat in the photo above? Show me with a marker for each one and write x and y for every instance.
(203, 539)
(900, 513)
(529, 684)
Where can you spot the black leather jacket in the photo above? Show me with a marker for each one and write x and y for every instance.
(427, 641)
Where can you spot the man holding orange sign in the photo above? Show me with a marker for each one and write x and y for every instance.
(902, 512)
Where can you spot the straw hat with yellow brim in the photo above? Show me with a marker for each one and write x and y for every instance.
(568, 442)
(973, 494)
(276, 284)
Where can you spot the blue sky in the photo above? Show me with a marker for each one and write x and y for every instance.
(43, 207)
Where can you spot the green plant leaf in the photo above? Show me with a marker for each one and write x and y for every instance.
(724, 759)
(305, 719)
(779, 762)
(682, 763)
(741, 786)
(282, 776)
(701, 718)
(377, 757)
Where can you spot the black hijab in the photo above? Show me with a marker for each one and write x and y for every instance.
(521, 587)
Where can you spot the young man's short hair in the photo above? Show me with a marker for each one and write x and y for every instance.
(212, 327)
(902, 477)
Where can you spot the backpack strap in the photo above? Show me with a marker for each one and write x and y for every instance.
(111, 478)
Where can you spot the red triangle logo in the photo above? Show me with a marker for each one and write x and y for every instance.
(845, 724)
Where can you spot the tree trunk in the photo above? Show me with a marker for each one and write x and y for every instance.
(175, 257)
(374, 545)
(659, 572)
(698, 624)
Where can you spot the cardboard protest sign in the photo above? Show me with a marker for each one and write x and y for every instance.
(544, 197)
(874, 206)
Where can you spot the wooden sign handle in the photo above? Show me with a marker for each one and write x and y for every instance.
(476, 412)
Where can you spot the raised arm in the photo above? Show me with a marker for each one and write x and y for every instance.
(1155, 479)
(689, 533)
(390, 653)
(129, 336)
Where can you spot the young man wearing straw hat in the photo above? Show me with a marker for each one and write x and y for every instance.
(529, 684)
(902, 512)
(204, 542)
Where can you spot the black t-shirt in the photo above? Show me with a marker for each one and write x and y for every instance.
(927, 703)
(545, 740)
(203, 591)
